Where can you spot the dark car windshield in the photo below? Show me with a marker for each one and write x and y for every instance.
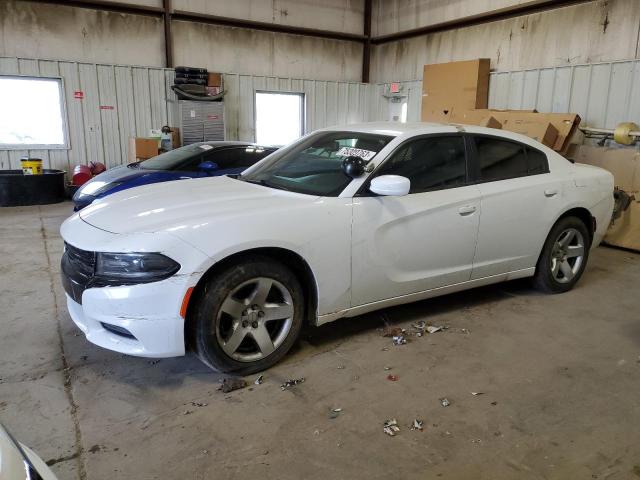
(314, 165)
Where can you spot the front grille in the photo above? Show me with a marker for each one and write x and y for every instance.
(77, 268)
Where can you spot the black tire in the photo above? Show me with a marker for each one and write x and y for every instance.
(206, 323)
(544, 278)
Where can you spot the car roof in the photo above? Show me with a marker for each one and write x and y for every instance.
(230, 143)
(396, 129)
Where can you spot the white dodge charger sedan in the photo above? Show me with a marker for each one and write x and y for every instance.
(342, 222)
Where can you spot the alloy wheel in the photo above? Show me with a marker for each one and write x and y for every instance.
(254, 319)
(567, 255)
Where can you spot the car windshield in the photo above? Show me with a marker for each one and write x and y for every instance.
(313, 165)
(172, 159)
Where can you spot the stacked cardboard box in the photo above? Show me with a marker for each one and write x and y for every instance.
(459, 86)
(458, 92)
(624, 163)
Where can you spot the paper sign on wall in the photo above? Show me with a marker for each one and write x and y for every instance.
(78, 94)
(356, 152)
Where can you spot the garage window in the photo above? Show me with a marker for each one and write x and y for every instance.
(279, 117)
(31, 113)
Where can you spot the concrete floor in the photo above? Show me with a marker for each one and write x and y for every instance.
(559, 376)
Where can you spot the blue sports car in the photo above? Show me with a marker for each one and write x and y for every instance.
(191, 161)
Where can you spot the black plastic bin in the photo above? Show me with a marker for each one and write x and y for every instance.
(17, 189)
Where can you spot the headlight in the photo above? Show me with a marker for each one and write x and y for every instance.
(132, 268)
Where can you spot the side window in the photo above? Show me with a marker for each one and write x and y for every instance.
(500, 159)
(191, 165)
(537, 162)
(430, 163)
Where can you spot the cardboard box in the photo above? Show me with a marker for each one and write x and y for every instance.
(454, 85)
(566, 124)
(214, 79)
(142, 148)
(625, 231)
(545, 133)
(624, 164)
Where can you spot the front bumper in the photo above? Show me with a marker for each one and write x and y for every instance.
(149, 312)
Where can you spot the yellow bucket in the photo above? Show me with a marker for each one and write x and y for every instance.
(31, 166)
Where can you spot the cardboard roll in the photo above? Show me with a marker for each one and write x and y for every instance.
(622, 133)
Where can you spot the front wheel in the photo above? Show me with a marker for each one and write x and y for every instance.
(248, 317)
(564, 256)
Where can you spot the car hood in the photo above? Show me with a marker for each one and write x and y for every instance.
(173, 206)
(115, 176)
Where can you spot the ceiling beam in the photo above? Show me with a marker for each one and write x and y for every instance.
(183, 16)
(366, 46)
(481, 18)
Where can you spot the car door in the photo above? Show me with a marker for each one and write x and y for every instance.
(424, 240)
(519, 199)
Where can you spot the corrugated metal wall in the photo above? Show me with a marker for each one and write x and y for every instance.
(142, 99)
(327, 103)
(603, 94)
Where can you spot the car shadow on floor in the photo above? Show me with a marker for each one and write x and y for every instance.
(422, 310)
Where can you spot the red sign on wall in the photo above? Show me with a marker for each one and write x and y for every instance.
(78, 94)
(106, 107)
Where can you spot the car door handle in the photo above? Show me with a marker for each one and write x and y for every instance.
(550, 193)
(466, 210)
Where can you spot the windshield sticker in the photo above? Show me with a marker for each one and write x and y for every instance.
(356, 152)
(206, 147)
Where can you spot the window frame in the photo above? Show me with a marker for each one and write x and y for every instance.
(63, 112)
(473, 163)
(303, 110)
(364, 191)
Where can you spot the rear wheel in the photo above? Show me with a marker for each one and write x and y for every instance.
(248, 317)
(564, 256)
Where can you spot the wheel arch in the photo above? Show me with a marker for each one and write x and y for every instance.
(292, 260)
(583, 214)
(580, 212)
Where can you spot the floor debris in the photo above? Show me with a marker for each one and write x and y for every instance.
(390, 331)
(445, 402)
(341, 367)
(417, 425)
(229, 384)
(334, 413)
(393, 378)
(259, 380)
(435, 328)
(291, 383)
(475, 394)
(387, 368)
(399, 340)
(198, 404)
(390, 427)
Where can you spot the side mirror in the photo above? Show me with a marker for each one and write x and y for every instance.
(208, 167)
(390, 185)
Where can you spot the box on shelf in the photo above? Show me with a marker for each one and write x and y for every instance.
(214, 79)
(142, 148)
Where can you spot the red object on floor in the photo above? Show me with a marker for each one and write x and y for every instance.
(81, 175)
(97, 167)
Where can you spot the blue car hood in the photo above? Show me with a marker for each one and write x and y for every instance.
(117, 176)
